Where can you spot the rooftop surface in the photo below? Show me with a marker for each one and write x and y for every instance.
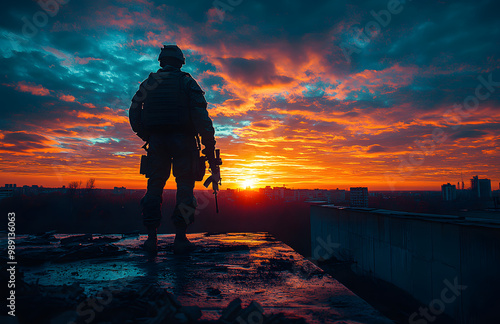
(251, 266)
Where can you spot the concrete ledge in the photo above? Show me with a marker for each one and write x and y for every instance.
(426, 255)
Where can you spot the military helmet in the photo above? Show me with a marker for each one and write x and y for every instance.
(172, 51)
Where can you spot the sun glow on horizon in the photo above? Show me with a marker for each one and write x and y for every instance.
(248, 183)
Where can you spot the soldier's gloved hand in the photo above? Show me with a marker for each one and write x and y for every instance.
(209, 152)
(211, 162)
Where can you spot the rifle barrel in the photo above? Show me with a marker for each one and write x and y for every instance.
(216, 204)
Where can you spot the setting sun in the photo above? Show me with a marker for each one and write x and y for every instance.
(248, 183)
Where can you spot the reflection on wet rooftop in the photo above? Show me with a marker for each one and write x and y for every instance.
(251, 266)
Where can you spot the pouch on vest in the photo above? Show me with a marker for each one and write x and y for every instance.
(199, 166)
(144, 169)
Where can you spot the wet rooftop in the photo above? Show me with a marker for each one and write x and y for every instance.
(248, 266)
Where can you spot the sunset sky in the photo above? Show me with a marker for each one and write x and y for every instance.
(310, 94)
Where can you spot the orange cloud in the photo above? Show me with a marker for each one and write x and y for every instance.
(89, 105)
(393, 77)
(109, 115)
(67, 98)
(34, 89)
(85, 60)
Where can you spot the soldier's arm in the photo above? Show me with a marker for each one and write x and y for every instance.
(134, 112)
(199, 115)
(134, 115)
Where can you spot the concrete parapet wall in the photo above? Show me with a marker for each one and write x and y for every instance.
(448, 263)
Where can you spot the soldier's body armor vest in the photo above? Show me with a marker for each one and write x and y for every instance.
(166, 106)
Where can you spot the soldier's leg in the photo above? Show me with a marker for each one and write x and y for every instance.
(158, 173)
(185, 206)
(152, 201)
(185, 202)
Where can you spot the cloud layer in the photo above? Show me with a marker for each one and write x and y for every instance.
(325, 94)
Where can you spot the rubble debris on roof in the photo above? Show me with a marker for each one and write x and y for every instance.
(230, 278)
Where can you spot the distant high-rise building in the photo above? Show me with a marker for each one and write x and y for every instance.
(7, 191)
(359, 197)
(448, 192)
(279, 192)
(480, 188)
(336, 195)
(119, 190)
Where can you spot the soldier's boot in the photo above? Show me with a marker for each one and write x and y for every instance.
(151, 244)
(181, 243)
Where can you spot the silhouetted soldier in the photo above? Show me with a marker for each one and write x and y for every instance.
(168, 111)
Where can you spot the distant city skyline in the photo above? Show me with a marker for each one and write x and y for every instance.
(495, 185)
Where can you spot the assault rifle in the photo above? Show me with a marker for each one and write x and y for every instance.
(215, 178)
